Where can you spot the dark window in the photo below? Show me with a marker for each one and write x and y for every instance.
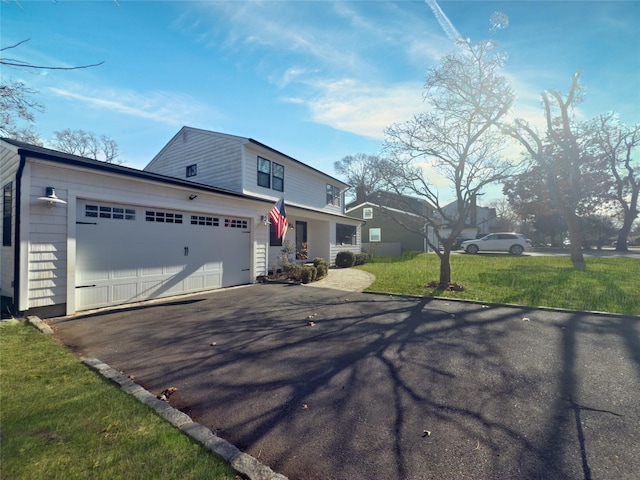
(278, 177)
(207, 221)
(7, 203)
(192, 170)
(163, 217)
(274, 241)
(333, 195)
(264, 172)
(345, 234)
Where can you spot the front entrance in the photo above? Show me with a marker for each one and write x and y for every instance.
(302, 247)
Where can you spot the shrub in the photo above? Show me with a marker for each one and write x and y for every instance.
(322, 270)
(320, 261)
(345, 259)
(308, 274)
(292, 271)
(362, 258)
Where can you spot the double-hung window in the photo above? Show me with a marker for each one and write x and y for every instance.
(270, 174)
(264, 172)
(333, 195)
(277, 177)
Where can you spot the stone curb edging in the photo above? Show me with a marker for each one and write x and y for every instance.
(39, 324)
(241, 462)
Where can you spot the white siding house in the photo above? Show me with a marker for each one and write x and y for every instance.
(249, 167)
(108, 235)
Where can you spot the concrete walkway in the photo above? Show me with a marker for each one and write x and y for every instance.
(347, 279)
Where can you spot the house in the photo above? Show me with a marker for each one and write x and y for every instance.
(394, 223)
(479, 221)
(80, 234)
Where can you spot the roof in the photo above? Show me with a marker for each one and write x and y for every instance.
(29, 150)
(257, 143)
(397, 202)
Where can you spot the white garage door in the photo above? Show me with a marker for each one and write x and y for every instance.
(126, 254)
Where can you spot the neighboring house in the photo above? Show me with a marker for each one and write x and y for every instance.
(385, 213)
(480, 221)
(80, 234)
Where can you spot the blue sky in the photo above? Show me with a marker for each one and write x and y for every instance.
(316, 80)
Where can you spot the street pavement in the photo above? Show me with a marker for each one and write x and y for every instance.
(322, 383)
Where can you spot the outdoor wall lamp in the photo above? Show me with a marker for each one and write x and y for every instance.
(264, 220)
(50, 198)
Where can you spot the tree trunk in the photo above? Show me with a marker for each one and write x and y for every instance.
(575, 237)
(445, 266)
(623, 234)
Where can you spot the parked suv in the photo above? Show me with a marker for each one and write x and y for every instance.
(514, 243)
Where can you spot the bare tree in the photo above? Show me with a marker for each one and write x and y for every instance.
(16, 104)
(16, 99)
(457, 137)
(14, 62)
(86, 144)
(563, 155)
(615, 143)
(506, 218)
(362, 172)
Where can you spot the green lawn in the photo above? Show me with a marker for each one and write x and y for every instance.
(60, 420)
(608, 284)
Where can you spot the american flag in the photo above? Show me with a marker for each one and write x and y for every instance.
(279, 218)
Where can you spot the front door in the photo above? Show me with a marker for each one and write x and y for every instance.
(301, 241)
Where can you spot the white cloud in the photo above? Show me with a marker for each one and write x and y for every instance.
(162, 107)
(354, 107)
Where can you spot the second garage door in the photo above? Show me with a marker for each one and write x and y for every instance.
(126, 254)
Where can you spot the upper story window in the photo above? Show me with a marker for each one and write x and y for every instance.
(270, 174)
(278, 177)
(192, 170)
(367, 213)
(264, 172)
(333, 195)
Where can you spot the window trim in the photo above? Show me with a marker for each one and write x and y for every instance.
(277, 166)
(263, 177)
(333, 195)
(378, 231)
(367, 213)
(354, 237)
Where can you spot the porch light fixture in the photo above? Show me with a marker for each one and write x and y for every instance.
(264, 220)
(50, 198)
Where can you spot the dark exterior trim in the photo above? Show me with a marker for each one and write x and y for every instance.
(26, 150)
(16, 240)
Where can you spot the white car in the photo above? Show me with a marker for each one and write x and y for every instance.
(514, 243)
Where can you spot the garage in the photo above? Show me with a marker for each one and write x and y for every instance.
(128, 253)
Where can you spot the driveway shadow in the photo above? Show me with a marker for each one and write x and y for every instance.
(322, 384)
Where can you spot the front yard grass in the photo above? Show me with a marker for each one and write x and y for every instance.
(607, 285)
(60, 420)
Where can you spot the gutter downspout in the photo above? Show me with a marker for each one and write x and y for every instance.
(16, 245)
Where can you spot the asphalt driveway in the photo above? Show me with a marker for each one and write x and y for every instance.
(323, 384)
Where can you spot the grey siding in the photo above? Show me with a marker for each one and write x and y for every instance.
(218, 158)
